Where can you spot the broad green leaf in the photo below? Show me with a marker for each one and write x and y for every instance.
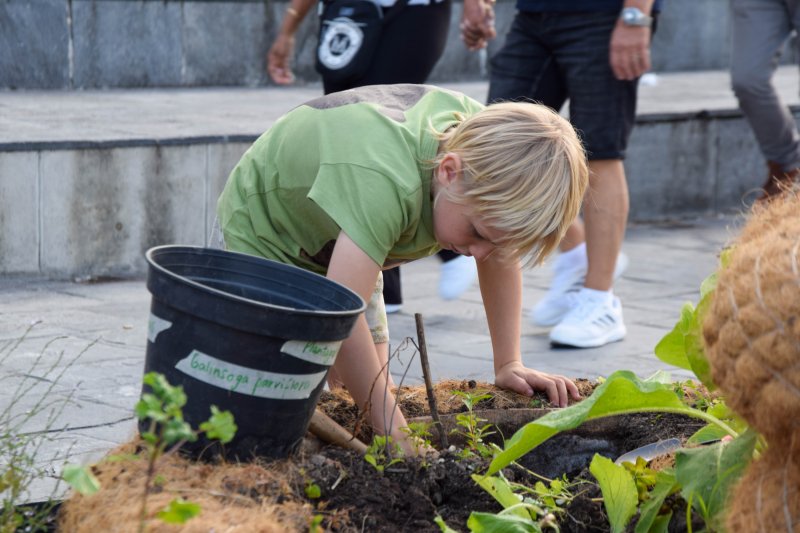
(705, 434)
(623, 392)
(695, 351)
(619, 491)
(672, 348)
(81, 479)
(220, 426)
(709, 285)
(492, 523)
(706, 474)
(649, 518)
(443, 526)
(500, 490)
(179, 511)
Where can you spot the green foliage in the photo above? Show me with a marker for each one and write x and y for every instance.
(420, 433)
(501, 523)
(316, 524)
(81, 479)
(622, 393)
(312, 490)
(179, 511)
(474, 429)
(31, 402)
(220, 426)
(643, 477)
(383, 452)
(706, 474)
(619, 491)
(653, 517)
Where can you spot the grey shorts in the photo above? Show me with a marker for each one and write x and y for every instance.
(375, 312)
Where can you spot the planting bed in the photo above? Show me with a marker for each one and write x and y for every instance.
(353, 495)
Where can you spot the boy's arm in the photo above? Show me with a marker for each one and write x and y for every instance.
(501, 289)
(357, 364)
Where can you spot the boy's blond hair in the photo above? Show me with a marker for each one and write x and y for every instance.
(524, 173)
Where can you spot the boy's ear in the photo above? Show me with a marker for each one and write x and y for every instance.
(449, 169)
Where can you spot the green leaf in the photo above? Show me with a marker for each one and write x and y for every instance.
(706, 474)
(619, 491)
(672, 348)
(693, 340)
(443, 526)
(709, 285)
(649, 518)
(501, 491)
(623, 392)
(313, 491)
(179, 511)
(220, 426)
(176, 430)
(81, 479)
(492, 523)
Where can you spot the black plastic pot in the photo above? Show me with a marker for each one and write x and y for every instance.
(248, 335)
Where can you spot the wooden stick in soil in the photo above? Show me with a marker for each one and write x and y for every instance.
(426, 373)
(328, 430)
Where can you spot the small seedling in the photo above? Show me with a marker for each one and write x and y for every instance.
(643, 476)
(474, 429)
(162, 409)
(383, 452)
(420, 436)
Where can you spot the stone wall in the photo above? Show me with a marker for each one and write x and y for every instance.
(84, 44)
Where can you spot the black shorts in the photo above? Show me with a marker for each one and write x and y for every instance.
(552, 57)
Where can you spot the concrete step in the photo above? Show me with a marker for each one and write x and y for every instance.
(89, 180)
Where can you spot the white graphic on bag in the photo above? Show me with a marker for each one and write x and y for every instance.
(339, 44)
(155, 326)
(321, 353)
(244, 380)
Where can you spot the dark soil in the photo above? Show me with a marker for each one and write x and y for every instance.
(408, 495)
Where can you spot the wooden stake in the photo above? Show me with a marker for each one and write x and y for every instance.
(426, 373)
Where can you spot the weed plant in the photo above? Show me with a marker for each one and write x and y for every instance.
(31, 400)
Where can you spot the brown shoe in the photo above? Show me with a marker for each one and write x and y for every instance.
(778, 180)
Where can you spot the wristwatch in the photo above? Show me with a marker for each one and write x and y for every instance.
(633, 16)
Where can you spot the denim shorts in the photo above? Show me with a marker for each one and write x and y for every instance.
(551, 57)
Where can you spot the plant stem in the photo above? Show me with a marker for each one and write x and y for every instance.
(426, 373)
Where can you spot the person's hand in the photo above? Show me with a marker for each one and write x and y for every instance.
(629, 51)
(477, 24)
(279, 58)
(516, 377)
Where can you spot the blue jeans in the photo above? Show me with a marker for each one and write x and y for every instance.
(551, 57)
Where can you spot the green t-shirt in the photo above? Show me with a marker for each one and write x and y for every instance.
(357, 161)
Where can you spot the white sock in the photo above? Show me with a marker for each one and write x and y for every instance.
(572, 258)
(598, 296)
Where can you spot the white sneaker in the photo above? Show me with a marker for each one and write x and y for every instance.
(593, 322)
(560, 297)
(393, 308)
(456, 276)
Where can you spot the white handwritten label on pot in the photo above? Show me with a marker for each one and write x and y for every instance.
(155, 326)
(250, 381)
(321, 353)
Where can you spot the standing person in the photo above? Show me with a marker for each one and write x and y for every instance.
(760, 29)
(409, 47)
(591, 52)
(419, 169)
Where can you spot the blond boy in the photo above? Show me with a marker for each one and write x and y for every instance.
(355, 182)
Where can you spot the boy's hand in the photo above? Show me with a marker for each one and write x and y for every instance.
(515, 376)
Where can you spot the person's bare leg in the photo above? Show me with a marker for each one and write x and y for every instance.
(605, 211)
(575, 235)
(335, 380)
